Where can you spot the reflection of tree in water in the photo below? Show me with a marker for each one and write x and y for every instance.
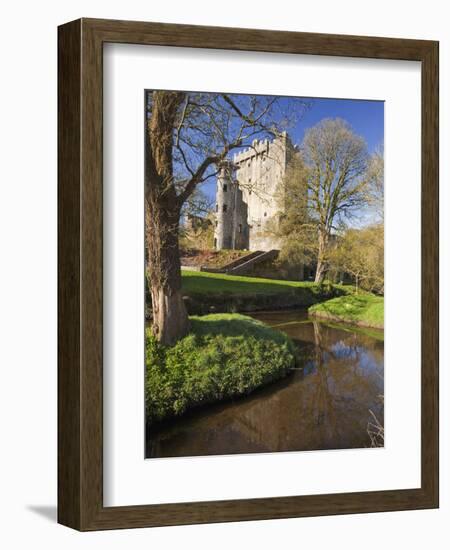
(323, 402)
(340, 372)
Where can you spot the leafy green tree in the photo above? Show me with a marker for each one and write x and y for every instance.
(295, 228)
(360, 253)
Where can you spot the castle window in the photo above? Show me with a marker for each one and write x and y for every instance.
(224, 208)
(265, 214)
(225, 187)
(240, 228)
(217, 207)
(250, 192)
(217, 223)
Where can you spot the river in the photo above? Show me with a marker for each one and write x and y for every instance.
(327, 404)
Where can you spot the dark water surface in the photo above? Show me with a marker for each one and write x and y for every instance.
(325, 405)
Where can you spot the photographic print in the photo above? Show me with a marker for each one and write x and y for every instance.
(264, 273)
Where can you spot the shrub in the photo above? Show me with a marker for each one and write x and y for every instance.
(224, 356)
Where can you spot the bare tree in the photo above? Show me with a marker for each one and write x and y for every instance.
(197, 226)
(375, 177)
(199, 204)
(188, 135)
(336, 161)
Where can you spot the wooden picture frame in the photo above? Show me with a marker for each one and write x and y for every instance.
(80, 271)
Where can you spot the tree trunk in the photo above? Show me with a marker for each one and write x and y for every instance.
(320, 269)
(170, 319)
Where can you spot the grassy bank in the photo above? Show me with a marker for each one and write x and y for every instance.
(224, 356)
(197, 282)
(365, 310)
(217, 292)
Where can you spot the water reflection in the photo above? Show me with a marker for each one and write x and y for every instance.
(324, 405)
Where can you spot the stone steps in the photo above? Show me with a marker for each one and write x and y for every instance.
(250, 262)
(231, 265)
(239, 261)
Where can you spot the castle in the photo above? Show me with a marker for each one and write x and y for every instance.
(248, 195)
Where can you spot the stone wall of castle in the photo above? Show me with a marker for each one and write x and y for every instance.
(231, 228)
(248, 197)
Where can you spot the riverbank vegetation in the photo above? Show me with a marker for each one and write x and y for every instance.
(223, 356)
(360, 254)
(364, 309)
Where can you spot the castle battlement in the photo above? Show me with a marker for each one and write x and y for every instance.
(260, 147)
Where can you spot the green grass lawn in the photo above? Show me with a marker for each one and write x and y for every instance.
(223, 356)
(364, 309)
(198, 282)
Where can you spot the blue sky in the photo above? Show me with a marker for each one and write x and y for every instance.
(366, 117)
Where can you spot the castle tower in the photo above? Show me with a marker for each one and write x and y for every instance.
(231, 230)
(223, 233)
(260, 169)
(248, 195)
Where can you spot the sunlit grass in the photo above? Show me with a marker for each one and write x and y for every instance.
(366, 309)
(198, 282)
